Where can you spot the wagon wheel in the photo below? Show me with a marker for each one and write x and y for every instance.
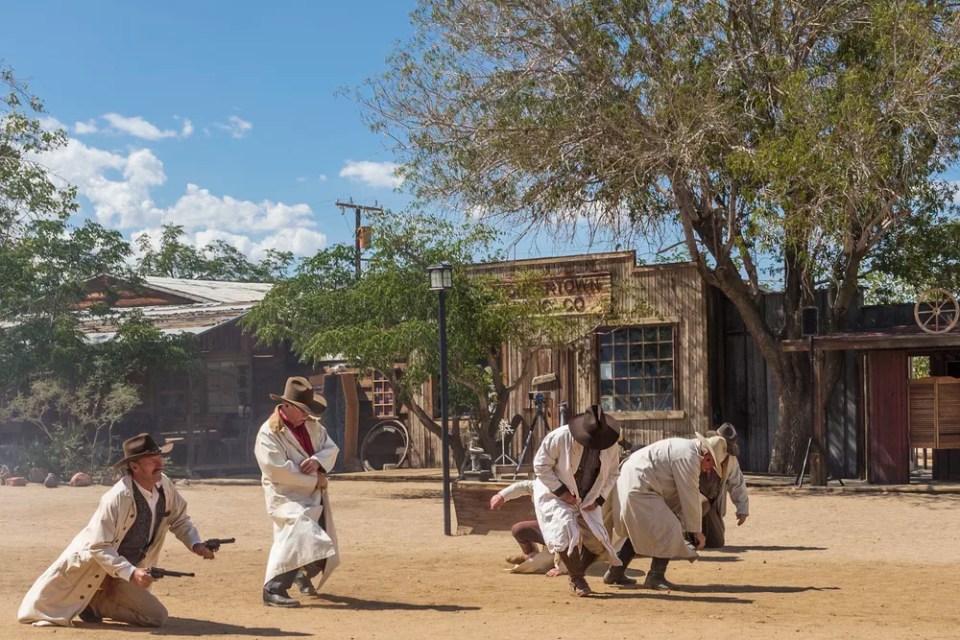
(936, 311)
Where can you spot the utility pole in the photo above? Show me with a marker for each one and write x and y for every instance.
(357, 210)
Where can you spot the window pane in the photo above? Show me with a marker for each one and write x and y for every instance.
(666, 350)
(651, 351)
(666, 333)
(606, 353)
(620, 336)
(650, 334)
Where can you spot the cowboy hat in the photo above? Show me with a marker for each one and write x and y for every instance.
(728, 433)
(299, 392)
(717, 447)
(140, 446)
(595, 429)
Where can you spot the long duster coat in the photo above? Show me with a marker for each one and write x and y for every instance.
(555, 464)
(67, 586)
(294, 503)
(658, 492)
(734, 483)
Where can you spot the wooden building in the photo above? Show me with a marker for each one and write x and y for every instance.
(214, 413)
(652, 373)
(880, 411)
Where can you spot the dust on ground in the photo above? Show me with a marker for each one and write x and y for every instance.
(803, 566)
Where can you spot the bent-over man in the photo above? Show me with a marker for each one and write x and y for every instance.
(295, 453)
(576, 468)
(104, 572)
(659, 503)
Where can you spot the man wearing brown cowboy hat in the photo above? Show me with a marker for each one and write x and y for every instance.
(295, 453)
(716, 484)
(659, 503)
(576, 468)
(104, 572)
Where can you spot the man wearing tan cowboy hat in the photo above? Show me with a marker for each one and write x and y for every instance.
(104, 572)
(659, 503)
(716, 484)
(295, 453)
(576, 468)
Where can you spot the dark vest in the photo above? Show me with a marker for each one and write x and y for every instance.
(139, 537)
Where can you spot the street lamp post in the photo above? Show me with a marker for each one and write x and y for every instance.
(441, 281)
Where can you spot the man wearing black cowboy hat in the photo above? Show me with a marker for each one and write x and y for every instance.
(295, 453)
(104, 573)
(716, 484)
(576, 468)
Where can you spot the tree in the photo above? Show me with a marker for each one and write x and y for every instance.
(48, 369)
(216, 261)
(386, 320)
(781, 139)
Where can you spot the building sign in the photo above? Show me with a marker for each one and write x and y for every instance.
(574, 294)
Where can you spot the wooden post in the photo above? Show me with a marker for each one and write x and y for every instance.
(190, 442)
(818, 460)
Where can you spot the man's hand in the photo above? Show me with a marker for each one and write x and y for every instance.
(700, 539)
(141, 578)
(310, 466)
(569, 498)
(590, 507)
(741, 518)
(204, 551)
(496, 502)
(322, 481)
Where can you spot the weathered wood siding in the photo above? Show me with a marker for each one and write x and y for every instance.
(676, 296)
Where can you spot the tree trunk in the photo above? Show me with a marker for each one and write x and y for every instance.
(795, 425)
(456, 445)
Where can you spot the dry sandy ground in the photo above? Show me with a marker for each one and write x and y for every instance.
(804, 566)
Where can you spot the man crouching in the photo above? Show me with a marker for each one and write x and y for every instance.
(104, 573)
(576, 468)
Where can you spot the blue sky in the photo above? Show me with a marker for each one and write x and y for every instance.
(218, 116)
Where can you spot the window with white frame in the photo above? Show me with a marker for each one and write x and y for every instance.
(637, 371)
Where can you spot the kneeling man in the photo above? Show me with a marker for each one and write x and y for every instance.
(104, 573)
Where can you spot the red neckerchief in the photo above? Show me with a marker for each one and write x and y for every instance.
(300, 433)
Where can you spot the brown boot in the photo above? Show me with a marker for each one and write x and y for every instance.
(580, 587)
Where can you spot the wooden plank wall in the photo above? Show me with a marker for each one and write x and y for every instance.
(677, 295)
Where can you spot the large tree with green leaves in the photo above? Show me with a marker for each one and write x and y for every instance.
(386, 320)
(45, 263)
(780, 139)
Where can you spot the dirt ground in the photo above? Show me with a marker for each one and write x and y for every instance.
(803, 566)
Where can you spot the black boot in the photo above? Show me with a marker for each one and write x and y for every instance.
(275, 592)
(87, 615)
(656, 578)
(305, 585)
(618, 575)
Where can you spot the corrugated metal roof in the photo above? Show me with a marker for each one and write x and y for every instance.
(190, 318)
(212, 290)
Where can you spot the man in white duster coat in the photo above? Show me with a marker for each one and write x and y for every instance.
(295, 453)
(576, 468)
(659, 502)
(104, 572)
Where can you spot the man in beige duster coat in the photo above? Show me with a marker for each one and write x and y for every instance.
(576, 468)
(104, 571)
(660, 504)
(294, 453)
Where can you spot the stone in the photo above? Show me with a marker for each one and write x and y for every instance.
(51, 481)
(37, 474)
(19, 481)
(81, 479)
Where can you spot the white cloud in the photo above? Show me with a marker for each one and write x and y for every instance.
(187, 130)
(49, 123)
(236, 126)
(374, 174)
(137, 127)
(118, 186)
(320, 178)
(84, 128)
